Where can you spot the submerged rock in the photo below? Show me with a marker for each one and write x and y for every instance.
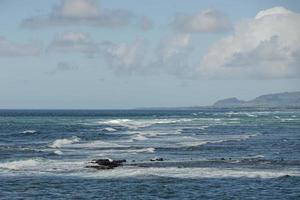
(102, 164)
(157, 159)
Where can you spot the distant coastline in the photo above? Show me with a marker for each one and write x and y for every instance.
(276, 100)
(285, 99)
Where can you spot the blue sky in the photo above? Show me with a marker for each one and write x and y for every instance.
(138, 53)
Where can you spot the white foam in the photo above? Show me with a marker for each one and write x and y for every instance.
(77, 168)
(192, 142)
(160, 133)
(141, 123)
(146, 150)
(109, 129)
(61, 142)
(29, 131)
(248, 114)
(58, 152)
(139, 137)
(97, 144)
(20, 164)
(130, 151)
(256, 156)
(37, 166)
(175, 172)
(288, 119)
(203, 127)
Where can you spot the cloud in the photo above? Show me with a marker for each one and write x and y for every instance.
(125, 58)
(205, 21)
(64, 66)
(74, 42)
(80, 12)
(267, 46)
(145, 23)
(172, 45)
(11, 49)
(172, 55)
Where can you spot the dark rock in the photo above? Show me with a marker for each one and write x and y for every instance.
(157, 159)
(99, 167)
(106, 164)
(286, 176)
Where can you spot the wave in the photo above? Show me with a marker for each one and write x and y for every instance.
(20, 164)
(128, 151)
(77, 168)
(288, 119)
(97, 144)
(248, 114)
(175, 172)
(160, 133)
(203, 127)
(145, 150)
(194, 142)
(58, 152)
(109, 129)
(61, 142)
(29, 131)
(40, 166)
(139, 137)
(141, 123)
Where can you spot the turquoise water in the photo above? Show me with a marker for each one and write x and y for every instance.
(208, 154)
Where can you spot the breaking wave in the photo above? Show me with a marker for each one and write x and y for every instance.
(109, 129)
(20, 164)
(61, 142)
(175, 172)
(29, 131)
(141, 123)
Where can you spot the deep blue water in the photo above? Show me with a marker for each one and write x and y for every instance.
(208, 154)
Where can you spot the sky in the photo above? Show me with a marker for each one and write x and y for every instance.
(116, 54)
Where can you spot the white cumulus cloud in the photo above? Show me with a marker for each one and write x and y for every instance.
(267, 46)
(80, 12)
(204, 21)
(11, 49)
(74, 42)
(125, 58)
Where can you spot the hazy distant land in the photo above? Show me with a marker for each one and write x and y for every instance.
(276, 100)
(285, 99)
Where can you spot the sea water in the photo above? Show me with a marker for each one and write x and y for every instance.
(208, 154)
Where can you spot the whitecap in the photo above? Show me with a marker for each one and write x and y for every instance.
(109, 129)
(139, 137)
(19, 164)
(193, 142)
(255, 156)
(42, 166)
(29, 131)
(141, 123)
(61, 142)
(175, 172)
(97, 144)
(58, 152)
(146, 150)
(203, 127)
(160, 133)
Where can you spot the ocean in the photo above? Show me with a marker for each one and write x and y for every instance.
(208, 153)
